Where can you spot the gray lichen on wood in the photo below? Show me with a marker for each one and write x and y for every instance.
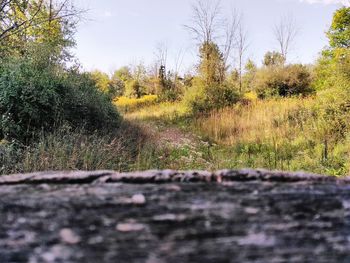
(171, 216)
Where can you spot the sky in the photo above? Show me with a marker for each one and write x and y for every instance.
(116, 33)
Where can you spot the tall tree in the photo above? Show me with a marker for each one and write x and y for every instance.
(286, 32)
(19, 15)
(212, 64)
(38, 21)
(215, 35)
(339, 32)
(249, 75)
(232, 37)
(206, 21)
(178, 61)
(242, 46)
(161, 66)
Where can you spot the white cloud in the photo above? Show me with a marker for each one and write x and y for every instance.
(327, 2)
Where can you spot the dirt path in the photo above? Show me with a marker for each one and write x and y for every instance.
(160, 133)
(169, 135)
(177, 147)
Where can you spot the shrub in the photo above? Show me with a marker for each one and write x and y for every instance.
(324, 72)
(38, 97)
(283, 81)
(171, 94)
(134, 89)
(84, 105)
(29, 99)
(201, 98)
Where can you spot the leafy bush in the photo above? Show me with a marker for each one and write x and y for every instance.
(333, 69)
(201, 98)
(84, 105)
(283, 81)
(171, 94)
(29, 99)
(38, 96)
(133, 89)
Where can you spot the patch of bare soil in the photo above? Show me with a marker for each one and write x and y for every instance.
(168, 136)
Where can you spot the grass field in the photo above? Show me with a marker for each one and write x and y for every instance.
(274, 134)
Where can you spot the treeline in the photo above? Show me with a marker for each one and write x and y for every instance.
(217, 83)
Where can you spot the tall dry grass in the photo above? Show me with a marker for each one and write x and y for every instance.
(258, 121)
(67, 149)
(125, 104)
(164, 112)
(284, 133)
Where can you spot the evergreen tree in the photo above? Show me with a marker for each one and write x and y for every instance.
(212, 68)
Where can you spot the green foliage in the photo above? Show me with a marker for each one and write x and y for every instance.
(75, 125)
(339, 32)
(170, 86)
(333, 67)
(273, 58)
(36, 95)
(133, 89)
(201, 98)
(123, 74)
(283, 81)
(209, 90)
(249, 76)
(113, 87)
(324, 71)
(86, 106)
(212, 67)
(24, 23)
(332, 70)
(162, 78)
(233, 77)
(101, 79)
(116, 86)
(170, 94)
(29, 99)
(342, 59)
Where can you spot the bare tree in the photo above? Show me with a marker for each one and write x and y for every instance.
(231, 30)
(178, 61)
(209, 25)
(161, 54)
(15, 18)
(206, 21)
(285, 33)
(242, 46)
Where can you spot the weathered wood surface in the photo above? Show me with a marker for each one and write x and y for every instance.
(227, 216)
